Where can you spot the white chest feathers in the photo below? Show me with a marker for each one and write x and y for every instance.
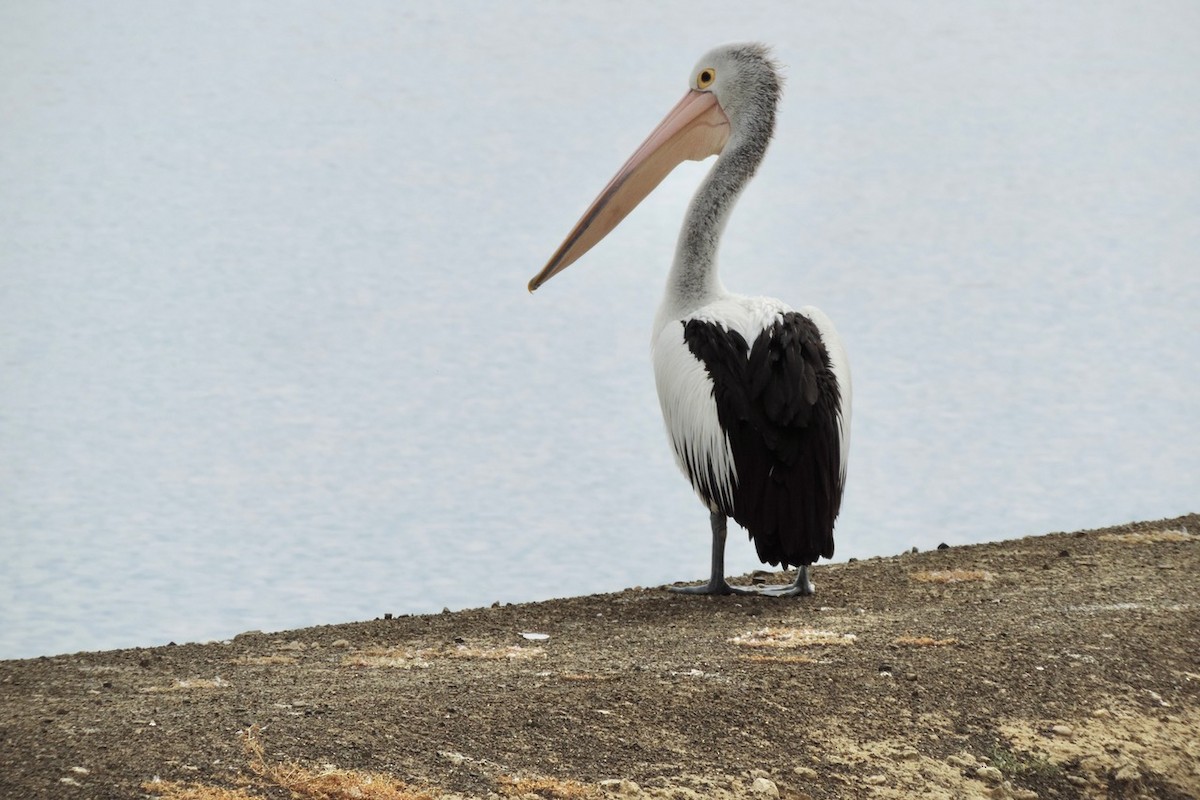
(685, 393)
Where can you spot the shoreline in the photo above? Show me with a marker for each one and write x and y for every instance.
(1062, 665)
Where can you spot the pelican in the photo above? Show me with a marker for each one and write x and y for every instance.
(755, 395)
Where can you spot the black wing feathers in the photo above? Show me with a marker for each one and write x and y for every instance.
(778, 401)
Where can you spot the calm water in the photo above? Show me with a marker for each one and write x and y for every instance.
(267, 359)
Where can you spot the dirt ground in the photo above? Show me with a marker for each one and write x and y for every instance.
(1059, 666)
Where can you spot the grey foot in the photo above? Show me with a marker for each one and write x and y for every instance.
(712, 588)
(801, 587)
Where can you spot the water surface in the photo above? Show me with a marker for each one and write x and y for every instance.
(268, 360)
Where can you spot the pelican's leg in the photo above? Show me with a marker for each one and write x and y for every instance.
(716, 581)
(801, 587)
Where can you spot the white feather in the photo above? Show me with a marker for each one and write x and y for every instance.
(841, 372)
(685, 391)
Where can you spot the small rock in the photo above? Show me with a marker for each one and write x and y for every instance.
(1101, 713)
(1128, 773)
(805, 773)
(962, 760)
(1002, 792)
(943, 546)
(1064, 731)
(989, 775)
(909, 755)
(342, 643)
(629, 788)
(875, 780)
(764, 787)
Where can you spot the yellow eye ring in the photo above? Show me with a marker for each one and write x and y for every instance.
(705, 78)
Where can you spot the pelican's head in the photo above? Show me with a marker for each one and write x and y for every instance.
(746, 83)
(731, 97)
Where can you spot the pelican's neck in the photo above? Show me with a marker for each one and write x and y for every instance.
(693, 281)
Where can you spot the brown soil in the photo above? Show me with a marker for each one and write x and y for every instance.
(1065, 665)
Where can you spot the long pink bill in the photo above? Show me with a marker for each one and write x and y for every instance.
(695, 129)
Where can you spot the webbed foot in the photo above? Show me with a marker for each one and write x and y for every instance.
(712, 587)
(801, 587)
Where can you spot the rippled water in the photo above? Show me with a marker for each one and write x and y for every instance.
(268, 360)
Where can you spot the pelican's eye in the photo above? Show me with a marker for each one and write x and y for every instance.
(705, 78)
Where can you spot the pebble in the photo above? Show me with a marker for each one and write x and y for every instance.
(1100, 713)
(962, 760)
(989, 774)
(875, 780)
(764, 787)
(628, 787)
(1062, 730)
(1005, 791)
(807, 773)
(1128, 773)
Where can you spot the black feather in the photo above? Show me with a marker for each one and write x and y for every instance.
(778, 401)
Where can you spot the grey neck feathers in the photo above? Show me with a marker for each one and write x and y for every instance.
(693, 280)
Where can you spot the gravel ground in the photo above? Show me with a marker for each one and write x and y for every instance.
(1065, 665)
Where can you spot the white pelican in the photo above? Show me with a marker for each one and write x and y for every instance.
(755, 396)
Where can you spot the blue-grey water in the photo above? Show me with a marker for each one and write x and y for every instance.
(267, 359)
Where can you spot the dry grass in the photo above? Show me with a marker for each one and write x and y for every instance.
(951, 575)
(327, 783)
(922, 641)
(263, 661)
(760, 658)
(551, 788)
(1151, 537)
(187, 684)
(406, 657)
(792, 637)
(176, 790)
(302, 783)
